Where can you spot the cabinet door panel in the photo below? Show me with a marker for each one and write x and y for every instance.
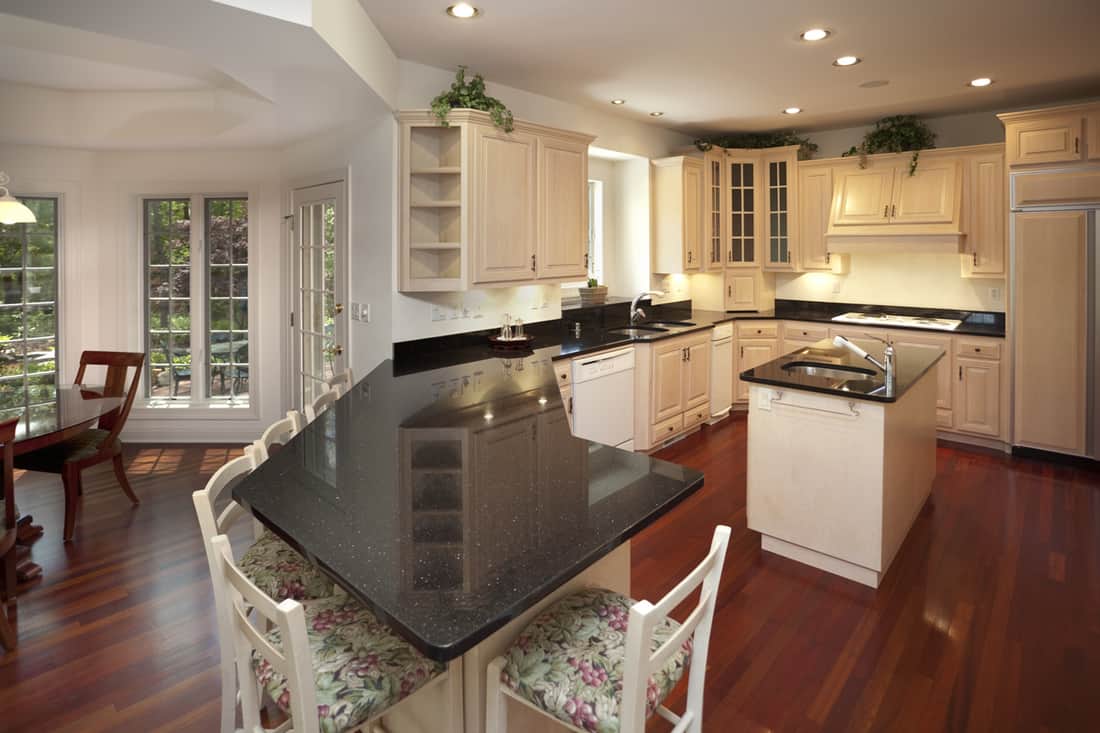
(563, 210)
(740, 290)
(744, 226)
(506, 204)
(985, 236)
(714, 220)
(1050, 330)
(862, 196)
(929, 196)
(693, 215)
(697, 374)
(668, 370)
(781, 238)
(945, 384)
(815, 195)
(751, 354)
(1055, 139)
(1093, 125)
(979, 403)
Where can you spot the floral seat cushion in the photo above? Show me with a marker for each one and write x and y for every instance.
(281, 572)
(361, 667)
(569, 660)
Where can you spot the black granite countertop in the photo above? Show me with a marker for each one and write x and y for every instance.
(868, 383)
(450, 500)
(974, 323)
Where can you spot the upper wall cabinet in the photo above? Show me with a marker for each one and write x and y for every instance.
(781, 203)
(678, 216)
(883, 207)
(815, 196)
(480, 206)
(985, 216)
(1054, 136)
(714, 232)
(743, 176)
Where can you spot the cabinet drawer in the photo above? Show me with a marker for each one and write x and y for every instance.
(696, 415)
(758, 330)
(667, 429)
(1053, 189)
(805, 331)
(563, 371)
(978, 349)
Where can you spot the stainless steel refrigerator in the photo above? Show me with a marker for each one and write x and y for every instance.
(1055, 319)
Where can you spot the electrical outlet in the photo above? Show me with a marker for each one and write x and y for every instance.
(836, 285)
(995, 294)
(355, 311)
(364, 312)
(439, 313)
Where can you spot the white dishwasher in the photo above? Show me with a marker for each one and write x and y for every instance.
(603, 398)
(721, 371)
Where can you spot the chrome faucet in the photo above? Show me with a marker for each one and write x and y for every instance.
(636, 313)
(888, 357)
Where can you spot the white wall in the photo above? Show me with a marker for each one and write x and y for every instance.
(101, 277)
(975, 128)
(930, 280)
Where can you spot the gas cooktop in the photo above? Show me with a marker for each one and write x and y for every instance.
(889, 319)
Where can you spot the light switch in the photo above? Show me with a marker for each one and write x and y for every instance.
(764, 400)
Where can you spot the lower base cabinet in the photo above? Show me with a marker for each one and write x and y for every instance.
(757, 343)
(672, 388)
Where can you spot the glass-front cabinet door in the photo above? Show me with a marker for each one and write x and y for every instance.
(780, 181)
(741, 188)
(713, 236)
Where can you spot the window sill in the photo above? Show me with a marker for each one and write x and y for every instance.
(193, 410)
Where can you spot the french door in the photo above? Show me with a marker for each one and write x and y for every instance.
(320, 287)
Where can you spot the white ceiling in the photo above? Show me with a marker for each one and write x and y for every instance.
(721, 65)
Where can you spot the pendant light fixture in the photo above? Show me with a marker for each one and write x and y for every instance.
(12, 211)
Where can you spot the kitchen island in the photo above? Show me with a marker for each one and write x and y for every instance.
(456, 504)
(839, 461)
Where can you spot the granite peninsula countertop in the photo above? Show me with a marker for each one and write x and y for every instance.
(450, 500)
(911, 363)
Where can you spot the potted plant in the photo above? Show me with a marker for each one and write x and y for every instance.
(471, 95)
(897, 134)
(594, 294)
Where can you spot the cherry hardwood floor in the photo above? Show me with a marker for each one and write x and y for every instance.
(989, 619)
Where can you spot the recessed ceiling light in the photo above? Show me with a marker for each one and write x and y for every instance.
(656, 114)
(875, 83)
(815, 34)
(463, 11)
(792, 110)
(618, 101)
(981, 82)
(847, 61)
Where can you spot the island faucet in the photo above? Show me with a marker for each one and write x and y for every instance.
(636, 313)
(887, 356)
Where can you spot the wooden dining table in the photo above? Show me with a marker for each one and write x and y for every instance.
(75, 409)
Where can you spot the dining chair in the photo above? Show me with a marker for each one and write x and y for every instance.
(269, 562)
(342, 382)
(95, 445)
(321, 403)
(329, 663)
(277, 435)
(8, 532)
(597, 660)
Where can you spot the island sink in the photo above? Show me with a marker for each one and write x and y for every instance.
(828, 371)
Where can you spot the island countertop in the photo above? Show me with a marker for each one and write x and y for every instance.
(911, 363)
(451, 500)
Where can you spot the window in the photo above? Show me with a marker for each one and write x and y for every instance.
(594, 253)
(28, 313)
(196, 272)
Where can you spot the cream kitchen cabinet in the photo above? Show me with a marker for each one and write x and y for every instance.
(505, 207)
(885, 193)
(815, 196)
(672, 385)
(780, 207)
(945, 383)
(562, 250)
(742, 209)
(978, 404)
(985, 217)
(714, 236)
(757, 343)
(1051, 341)
(484, 207)
(798, 335)
(678, 214)
(1092, 126)
(1044, 137)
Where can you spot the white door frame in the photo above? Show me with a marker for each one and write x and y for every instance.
(340, 177)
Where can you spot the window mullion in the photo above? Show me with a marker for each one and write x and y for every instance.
(200, 389)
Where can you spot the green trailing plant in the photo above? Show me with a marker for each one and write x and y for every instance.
(471, 95)
(806, 149)
(897, 134)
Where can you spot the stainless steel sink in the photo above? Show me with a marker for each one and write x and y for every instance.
(669, 324)
(828, 371)
(638, 332)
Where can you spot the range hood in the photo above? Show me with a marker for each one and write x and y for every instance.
(883, 242)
